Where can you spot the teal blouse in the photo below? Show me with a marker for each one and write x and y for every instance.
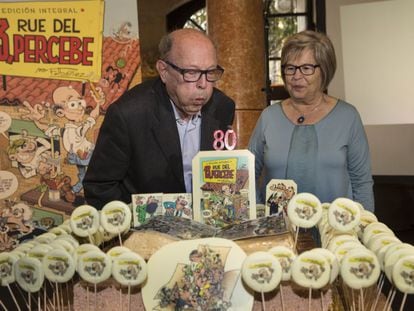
(330, 159)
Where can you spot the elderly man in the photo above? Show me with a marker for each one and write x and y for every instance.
(150, 135)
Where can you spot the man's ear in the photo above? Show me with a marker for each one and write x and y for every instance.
(162, 69)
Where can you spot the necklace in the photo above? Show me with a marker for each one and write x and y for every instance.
(302, 115)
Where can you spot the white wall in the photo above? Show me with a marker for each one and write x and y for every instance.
(382, 95)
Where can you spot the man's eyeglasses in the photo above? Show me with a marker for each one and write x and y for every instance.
(193, 75)
(305, 69)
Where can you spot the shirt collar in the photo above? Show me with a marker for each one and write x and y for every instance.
(178, 118)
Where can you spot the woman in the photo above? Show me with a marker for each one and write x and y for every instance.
(313, 138)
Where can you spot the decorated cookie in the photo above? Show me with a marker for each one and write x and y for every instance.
(285, 256)
(129, 269)
(29, 274)
(69, 238)
(117, 251)
(333, 262)
(68, 246)
(403, 274)
(39, 251)
(116, 217)
(84, 220)
(7, 261)
(58, 231)
(83, 249)
(394, 247)
(94, 266)
(373, 229)
(366, 218)
(344, 249)
(379, 240)
(392, 259)
(311, 270)
(45, 238)
(58, 266)
(344, 214)
(261, 271)
(304, 210)
(360, 268)
(340, 239)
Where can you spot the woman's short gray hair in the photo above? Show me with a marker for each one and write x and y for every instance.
(322, 49)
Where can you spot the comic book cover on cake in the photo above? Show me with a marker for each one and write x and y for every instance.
(223, 187)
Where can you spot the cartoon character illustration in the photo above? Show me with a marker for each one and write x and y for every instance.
(408, 277)
(114, 78)
(200, 288)
(152, 205)
(30, 153)
(123, 33)
(59, 267)
(16, 216)
(140, 208)
(28, 277)
(131, 272)
(69, 105)
(264, 275)
(344, 217)
(5, 269)
(117, 218)
(313, 272)
(95, 269)
(85, 223)
(364, 270)
(181, 206)
(15, 220)
(280, 197)
(169, 208)
(228, 201)
(305, 211)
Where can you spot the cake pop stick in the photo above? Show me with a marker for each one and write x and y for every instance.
(262, 272)
(282, 300)
(361, 294)
(129, 269)
(390, 293)
(403, 302)
(310, 299)
(322, 304)
(2, 304)
(378, 290)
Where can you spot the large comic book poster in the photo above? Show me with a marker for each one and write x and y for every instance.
(223, 187)
(62, 64)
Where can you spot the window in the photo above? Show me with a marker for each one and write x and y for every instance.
(283, 18)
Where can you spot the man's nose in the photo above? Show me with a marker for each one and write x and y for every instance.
(202, 82)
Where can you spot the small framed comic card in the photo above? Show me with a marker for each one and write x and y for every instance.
(224, 187)
(278, 194)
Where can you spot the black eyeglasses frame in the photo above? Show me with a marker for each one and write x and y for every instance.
(183, 71)
(300, 67)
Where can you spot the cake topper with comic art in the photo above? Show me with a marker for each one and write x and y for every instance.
(204, 275)
(223, 187)
(278, 194)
